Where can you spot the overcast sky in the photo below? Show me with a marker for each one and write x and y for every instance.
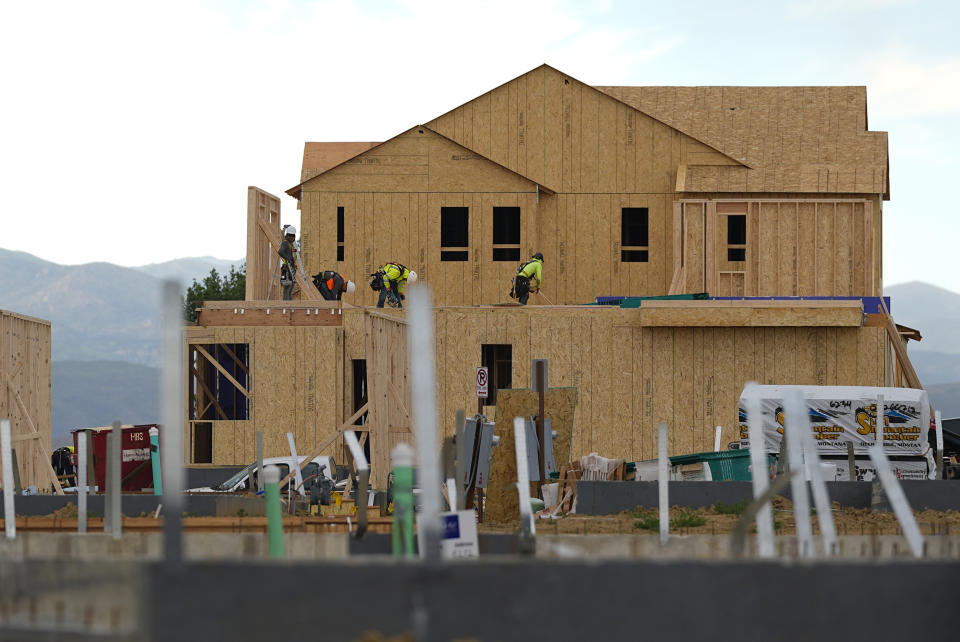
(129, 131)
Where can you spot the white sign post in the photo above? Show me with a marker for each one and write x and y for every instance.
(938, 470)
(759, 474)
(663, 463)
(9, 514)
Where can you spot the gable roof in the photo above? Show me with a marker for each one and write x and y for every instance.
(802, 138)
(319, 157)
(295, 191)
(617, 98)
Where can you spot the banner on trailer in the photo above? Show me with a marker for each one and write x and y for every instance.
(842, 414)
(866, 470)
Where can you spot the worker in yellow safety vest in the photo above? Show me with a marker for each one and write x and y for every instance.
(529, 278)
(389, 280)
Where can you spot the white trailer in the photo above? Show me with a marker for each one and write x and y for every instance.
(848, 414)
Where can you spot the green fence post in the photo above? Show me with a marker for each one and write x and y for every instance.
(403, 457)
(155, 461)
(271, 476)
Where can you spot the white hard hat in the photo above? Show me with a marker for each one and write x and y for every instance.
(290, 230)
(351, 286)
(412, 277)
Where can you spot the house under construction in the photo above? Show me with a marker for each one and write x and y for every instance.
(768, 199)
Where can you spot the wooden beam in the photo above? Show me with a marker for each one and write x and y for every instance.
(347, 425)
(400, 403)
(901, 350)
(43, 449)
(706, 314)
(222, 370)
(277, 315)
(210, 394)
(237, 361)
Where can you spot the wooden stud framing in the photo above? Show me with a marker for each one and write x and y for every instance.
(25, 379)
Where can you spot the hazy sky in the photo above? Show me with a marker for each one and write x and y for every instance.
(129, 131)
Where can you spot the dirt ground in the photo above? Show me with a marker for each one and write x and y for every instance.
(848, 521)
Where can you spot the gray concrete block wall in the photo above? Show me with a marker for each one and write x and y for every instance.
(612, 497)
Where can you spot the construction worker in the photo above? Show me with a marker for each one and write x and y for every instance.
(529, 278)
(288, 256)
(332, 285)
(389, 280)
(62, 462)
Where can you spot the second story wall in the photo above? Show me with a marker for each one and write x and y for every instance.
(791, 246)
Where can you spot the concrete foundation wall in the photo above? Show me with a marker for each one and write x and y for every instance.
(611, 497)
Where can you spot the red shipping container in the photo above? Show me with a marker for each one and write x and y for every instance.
(136, 469)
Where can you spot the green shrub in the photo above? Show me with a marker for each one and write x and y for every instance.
(688, 518)
(685, 518)
(736, 508)
(646, 519)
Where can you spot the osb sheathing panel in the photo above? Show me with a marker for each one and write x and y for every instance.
(811, 139)
(566, 135)
(794, 248)
(296, 385)
(261, 255)
(25, 358)
(559, 405)
(630, 377)
(388, 418)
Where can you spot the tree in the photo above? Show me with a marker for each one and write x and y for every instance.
(230, 287)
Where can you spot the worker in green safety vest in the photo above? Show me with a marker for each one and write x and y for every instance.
(389, 280)
(529, 278)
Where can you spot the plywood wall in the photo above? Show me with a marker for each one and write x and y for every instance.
(296, 385)
(568, 136)
(25, 362)
(629, 377)
(631, 372)
(794, 248)
(388, 418)
(261, 255)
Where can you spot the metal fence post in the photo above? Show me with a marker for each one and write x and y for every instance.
(82, 481)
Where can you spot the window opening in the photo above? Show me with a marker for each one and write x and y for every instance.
(203, 443)
(220, 374)
(506, 233)
(360, 397)
(340, 233)
(498, 359)
(454, 226)
(634, 235)
(736, 237)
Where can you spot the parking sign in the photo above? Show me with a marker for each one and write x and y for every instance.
(483, 382)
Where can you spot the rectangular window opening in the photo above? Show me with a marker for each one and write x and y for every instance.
(506, 233)
(214, 391)
(634, 235)
(203, 443)
(340, 233)
(360, 397)
(736, 237)
(498, 359)
(454, 233)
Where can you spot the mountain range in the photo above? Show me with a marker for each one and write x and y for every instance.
(106, 333)
(98, 311)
